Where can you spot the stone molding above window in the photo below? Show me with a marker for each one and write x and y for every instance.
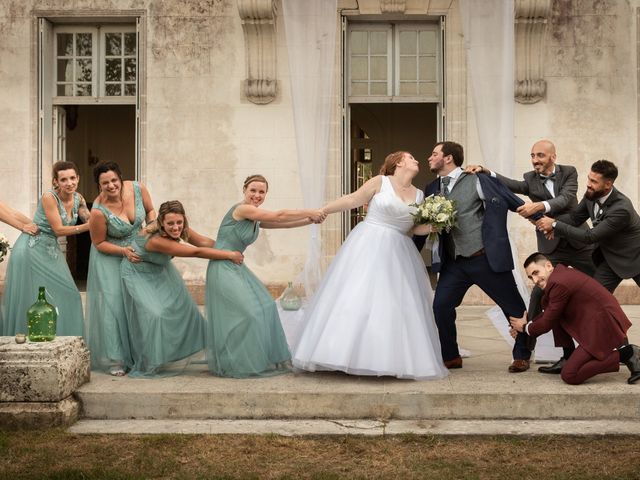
(259, 27)
(393, 6)
(530, 27)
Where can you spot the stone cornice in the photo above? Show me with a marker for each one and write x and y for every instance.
(531, 24)
(259, 27)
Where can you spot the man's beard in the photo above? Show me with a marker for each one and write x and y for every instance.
(594, 194)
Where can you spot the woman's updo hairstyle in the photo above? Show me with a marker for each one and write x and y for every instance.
(104, 168)
(391, 162)
(172, 206)
(254, 178)
(61, 166)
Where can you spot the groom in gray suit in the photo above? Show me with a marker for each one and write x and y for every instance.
(615, 231)
(552, 189)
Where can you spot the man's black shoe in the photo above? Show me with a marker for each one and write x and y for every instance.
(556, 368)
(633, 364)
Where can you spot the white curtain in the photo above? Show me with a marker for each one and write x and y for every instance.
(489, 40)
(311, 31)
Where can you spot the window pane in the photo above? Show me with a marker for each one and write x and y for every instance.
(428, 68)
(429, 89)
(113, 44)
(130, 89)
(378, 42)
(83, 90)
(359, 43)
(408, 43)
(129, 43)
(359, 88)
(408, 88)
(427, 43)
(65, 90)
(379, 88)
(378, 68)
(83, 70)
(408, 68)
(83, 44)
(130, 69)
(113, 70)
(359, 68)
(65, 44)
(112, 89)
(65, 71)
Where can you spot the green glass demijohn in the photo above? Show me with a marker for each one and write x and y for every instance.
(290, 299)
(42, 318)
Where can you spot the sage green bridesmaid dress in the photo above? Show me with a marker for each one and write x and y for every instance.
(37, 261)
(163, 320)
(244, 336)
(106, 323)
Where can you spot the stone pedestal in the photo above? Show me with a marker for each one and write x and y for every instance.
(38, 381)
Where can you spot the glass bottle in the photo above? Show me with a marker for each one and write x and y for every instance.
(42, 318)
(290, 299)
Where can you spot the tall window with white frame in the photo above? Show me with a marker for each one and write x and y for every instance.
(98, 62)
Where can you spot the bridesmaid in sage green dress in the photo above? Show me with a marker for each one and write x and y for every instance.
(244, 336)
(36, 260)
(163, 320)
(117, 215)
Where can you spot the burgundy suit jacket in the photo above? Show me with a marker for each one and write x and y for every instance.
(584, 309)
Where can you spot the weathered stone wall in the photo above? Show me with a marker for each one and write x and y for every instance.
(590, 111)
(202, 136)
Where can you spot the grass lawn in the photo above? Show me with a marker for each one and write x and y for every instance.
(55, 454)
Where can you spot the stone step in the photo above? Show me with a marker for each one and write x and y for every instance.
(482, 389)
(470, 393)
(360, 427)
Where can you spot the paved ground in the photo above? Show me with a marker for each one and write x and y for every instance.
(480, 398)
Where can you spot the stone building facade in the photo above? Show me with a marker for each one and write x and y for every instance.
(193, 96)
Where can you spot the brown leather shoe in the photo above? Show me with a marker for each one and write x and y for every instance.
(518, 366)
(453, 363)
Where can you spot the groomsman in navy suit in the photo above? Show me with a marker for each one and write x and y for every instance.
(552, 189)
(475, 252)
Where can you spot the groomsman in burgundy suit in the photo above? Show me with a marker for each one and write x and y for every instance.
(575, 306)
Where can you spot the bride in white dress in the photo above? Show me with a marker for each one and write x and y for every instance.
(372, 312)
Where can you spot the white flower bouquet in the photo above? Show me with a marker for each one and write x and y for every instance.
(437, 211)
(4, 247)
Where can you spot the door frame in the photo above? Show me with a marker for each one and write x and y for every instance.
(346, 104)
(44, 138)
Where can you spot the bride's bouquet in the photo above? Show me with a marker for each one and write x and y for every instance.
(437, 211)
(4, 247)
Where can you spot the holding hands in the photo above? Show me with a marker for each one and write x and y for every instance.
(318, 216)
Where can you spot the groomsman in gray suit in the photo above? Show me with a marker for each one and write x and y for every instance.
(552, 189)
(615, 231)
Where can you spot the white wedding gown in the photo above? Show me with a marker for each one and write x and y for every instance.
(372, 312)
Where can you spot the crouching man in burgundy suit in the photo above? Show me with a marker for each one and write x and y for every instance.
(575, 306)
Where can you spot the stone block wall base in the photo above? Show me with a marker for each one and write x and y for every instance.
(44, 371)
(38, 415)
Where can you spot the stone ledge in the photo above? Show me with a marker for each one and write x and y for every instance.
(42, 371)
(39, 415)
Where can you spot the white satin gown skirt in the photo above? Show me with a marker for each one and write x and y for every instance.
(372, 313)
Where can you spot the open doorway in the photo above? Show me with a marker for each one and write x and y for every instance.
(378, 129)
(92, 134)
